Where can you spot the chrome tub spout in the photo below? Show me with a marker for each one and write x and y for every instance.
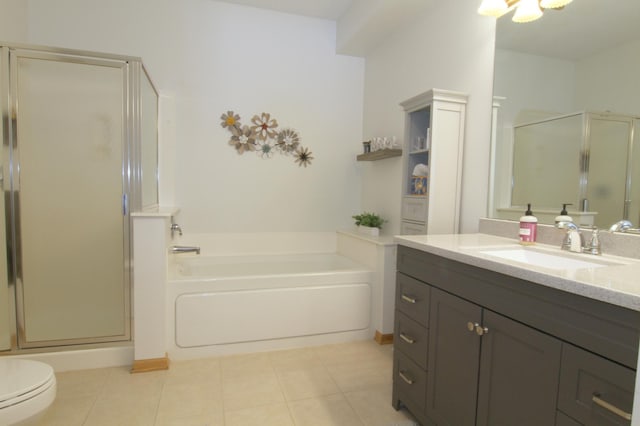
(185, 249)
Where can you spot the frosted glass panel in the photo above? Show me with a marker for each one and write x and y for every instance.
(546, 163)
(70, 126)
(609, 142)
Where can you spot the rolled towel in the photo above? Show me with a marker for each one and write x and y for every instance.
(421, 170)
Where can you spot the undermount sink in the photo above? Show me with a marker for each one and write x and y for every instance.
(543, 259)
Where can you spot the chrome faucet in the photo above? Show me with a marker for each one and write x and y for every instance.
(624, 226)
(594, 246)
(175, 227)
(573, 238)
(185, 249)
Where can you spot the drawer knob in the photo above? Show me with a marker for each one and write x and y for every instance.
(406, 378)
(610, 407)
(407, 339)
(408, 299)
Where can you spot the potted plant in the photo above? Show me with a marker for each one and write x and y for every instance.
(369, 223)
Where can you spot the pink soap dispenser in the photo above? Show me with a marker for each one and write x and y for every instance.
(528, 227)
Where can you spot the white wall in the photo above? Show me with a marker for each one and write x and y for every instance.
(531, 82)
(13, 20)
(451, 47)
(207, 57)
(608, 81)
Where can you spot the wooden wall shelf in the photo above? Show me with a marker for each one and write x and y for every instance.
(380, 154)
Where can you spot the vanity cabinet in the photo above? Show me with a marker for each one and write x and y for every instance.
(434, 137)
(475, 347)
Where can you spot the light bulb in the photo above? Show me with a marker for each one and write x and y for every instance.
(554, 4)
(493, 8)
(527, 11)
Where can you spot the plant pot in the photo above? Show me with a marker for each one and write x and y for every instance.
(367, 230)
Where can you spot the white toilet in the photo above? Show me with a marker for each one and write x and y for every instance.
(27, 389)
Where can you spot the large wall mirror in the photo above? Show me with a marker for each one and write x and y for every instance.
(567, 114)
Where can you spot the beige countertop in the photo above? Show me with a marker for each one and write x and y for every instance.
(617, 283)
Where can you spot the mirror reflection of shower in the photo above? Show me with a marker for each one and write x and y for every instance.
(585, 159)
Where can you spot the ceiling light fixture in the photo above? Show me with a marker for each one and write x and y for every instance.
(526, 10)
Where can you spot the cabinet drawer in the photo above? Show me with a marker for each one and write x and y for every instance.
(412, 298)
(409, 381)
(594, 390)
(414, 208)
(411, 338)
(411, 228)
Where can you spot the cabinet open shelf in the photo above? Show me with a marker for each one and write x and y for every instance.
(380, 154)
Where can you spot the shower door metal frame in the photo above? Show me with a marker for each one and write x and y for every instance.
(11, 147)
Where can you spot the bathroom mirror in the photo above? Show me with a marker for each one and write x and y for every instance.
(582, 62)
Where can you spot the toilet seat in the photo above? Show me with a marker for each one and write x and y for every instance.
(23, 379)
(27, 389)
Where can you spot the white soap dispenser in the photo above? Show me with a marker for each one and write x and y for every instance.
(564, 216)
(528, 227)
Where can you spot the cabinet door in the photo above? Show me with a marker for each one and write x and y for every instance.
(454, 353)
(519, 374)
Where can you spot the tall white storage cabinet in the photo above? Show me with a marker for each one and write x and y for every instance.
(434, 139)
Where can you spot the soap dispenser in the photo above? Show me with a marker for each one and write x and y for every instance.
(564, 216)
(528, 227)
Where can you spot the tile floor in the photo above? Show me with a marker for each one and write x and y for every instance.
(344, 384)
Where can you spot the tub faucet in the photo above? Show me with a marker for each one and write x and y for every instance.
(573, 238)
(185, 249)
(175, 227)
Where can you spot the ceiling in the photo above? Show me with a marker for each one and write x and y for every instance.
(361, 24)
(326, 9)
(584, 26)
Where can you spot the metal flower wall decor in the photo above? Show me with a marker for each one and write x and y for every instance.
(265, 138)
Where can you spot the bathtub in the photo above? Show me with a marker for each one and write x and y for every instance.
(229, 304)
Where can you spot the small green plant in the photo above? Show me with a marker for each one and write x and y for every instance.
(369, 219)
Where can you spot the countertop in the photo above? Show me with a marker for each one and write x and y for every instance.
(617, 284)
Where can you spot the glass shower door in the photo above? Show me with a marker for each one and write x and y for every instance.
(6, 301)
(609, 147)
(68, 199)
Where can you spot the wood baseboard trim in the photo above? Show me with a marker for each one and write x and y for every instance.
(152, 364)
(383, 339)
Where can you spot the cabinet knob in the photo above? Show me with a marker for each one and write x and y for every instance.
(480, 330)
(472, 325)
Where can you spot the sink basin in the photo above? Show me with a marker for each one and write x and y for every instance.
(543, 259)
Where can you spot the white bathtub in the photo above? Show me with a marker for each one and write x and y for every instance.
(227, 304)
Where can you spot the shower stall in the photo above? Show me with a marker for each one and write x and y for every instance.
(79, 133)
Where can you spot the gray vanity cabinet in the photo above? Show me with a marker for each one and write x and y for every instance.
(478, 348)
(486, 369)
